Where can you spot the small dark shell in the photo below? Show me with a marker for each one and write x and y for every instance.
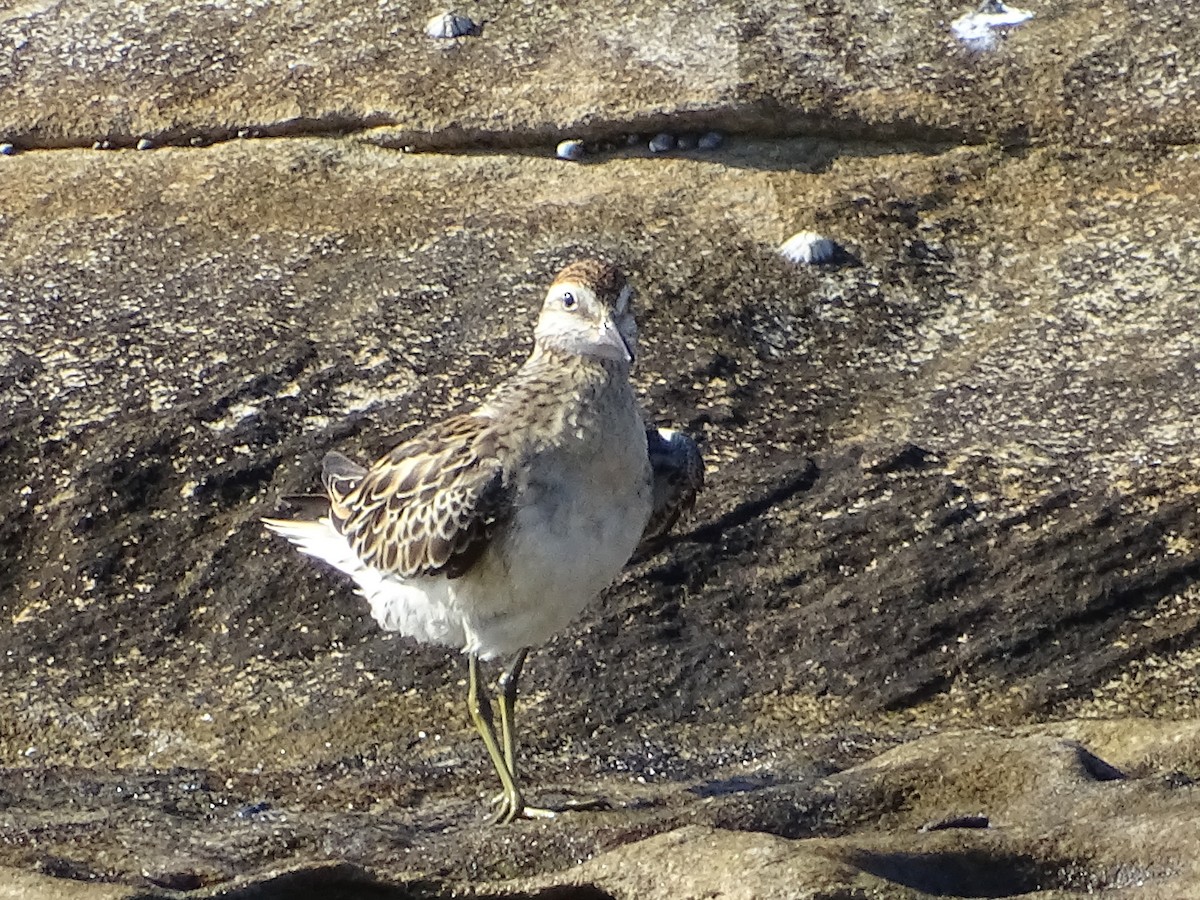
(662, 143)
(572, 150)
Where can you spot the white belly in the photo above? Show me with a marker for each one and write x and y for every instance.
(566, 543)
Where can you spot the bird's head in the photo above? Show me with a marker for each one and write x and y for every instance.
(587, 313)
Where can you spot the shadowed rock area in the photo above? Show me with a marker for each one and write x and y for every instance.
(932, 630)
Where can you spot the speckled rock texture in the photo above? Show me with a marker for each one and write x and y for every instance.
(932, 630)
(1112, 73)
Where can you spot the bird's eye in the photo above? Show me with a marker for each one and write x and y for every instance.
(568, 300)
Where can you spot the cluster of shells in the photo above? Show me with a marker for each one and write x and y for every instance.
(982, 30)
(663, 142)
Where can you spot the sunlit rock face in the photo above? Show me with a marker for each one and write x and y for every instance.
(932, 624)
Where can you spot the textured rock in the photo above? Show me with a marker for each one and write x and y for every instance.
(1107, 74)
(961, 813)
(945, 489)
(950, 547)
(18, 885)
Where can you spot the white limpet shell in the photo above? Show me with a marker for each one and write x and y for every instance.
(448, 25)
(7, 149)
(809, 248)
(572, 150)
(979, 30)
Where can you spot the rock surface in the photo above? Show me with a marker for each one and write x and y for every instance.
(934, 628)
(1113, 73)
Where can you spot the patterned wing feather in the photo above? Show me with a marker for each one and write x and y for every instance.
(340, 474)
(678, 476)
(431, 505)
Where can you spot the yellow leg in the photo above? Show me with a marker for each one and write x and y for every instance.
(479, 707)
(508, 708)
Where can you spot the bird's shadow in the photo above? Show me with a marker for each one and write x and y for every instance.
(748, 510)
(711, 532)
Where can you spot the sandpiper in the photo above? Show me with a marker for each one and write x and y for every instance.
(491, 530)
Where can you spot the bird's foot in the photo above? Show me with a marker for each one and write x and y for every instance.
(503, 813)
(509, 809)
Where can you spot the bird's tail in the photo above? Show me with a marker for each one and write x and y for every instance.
(313, 530)
(318, 539)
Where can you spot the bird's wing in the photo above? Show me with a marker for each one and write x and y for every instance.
(430, 506)
(340, 474)
(678, 476)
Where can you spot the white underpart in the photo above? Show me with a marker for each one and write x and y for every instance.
(421, 608)
(576, 524)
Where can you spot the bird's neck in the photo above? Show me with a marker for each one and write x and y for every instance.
(547, 359)
(566, 388)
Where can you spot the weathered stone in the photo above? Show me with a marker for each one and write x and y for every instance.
(949, 549)
(1087, 74)
(887, 536)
